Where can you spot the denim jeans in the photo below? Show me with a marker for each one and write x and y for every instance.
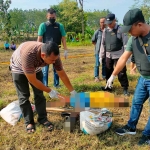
(97, 64)
(45, 71)
(141, 94)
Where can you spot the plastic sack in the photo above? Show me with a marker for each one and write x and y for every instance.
(11, 113)
(95, 121)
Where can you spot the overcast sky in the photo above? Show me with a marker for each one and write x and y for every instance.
(118, 7)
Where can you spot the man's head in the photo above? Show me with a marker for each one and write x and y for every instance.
(49, 52)
(133, 22)
(51, 15)
(110, 20)
(102, 22)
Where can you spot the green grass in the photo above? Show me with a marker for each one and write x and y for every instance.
(80, 72)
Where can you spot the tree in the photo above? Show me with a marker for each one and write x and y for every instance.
(144, 5)
(81, 4)
(5, 18)
(68, 13)
(93, 17)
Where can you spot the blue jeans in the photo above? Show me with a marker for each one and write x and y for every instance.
(45, 76)
(141, 94)
(97, 64)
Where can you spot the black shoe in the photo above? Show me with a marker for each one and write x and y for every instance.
(107, 89)
(145, 140)
(125, 130)
(125, 92)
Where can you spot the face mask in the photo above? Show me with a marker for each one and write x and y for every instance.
(52, 20)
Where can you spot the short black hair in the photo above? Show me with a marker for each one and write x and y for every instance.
(102, 17)
(50, 47)
(51, 11)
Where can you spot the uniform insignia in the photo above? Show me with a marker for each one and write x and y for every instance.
(146, 44)
(112, 33)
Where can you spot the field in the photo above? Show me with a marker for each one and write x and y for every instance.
(80, 72)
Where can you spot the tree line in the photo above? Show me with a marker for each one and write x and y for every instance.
(17, 24)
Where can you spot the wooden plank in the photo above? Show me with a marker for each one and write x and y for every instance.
(48, 109)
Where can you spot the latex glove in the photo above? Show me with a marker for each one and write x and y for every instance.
(65, 54)
(110, 81)
(100, 60)
(53, 94)
(73, 93)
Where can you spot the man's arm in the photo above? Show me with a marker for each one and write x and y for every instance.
(63, 39)
(121, 62)
(94, 39)
(102, 47)
(63, 76)
(40, 39)
(37, 83)
(41, 31)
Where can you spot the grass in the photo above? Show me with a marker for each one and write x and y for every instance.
(80, 73)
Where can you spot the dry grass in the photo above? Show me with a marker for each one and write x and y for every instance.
(80, 72)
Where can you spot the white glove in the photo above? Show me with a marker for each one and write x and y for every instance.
(110, 81)
(53, 94)
(65, 54)
(100, 60)
(73, 93)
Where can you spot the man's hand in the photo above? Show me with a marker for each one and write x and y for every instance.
(65, 54)
(100, 60)
(110, 82)
(73, 93)
(53, 94)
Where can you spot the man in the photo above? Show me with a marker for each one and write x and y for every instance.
(139, 46)
(96, 40)
(112, 47)
(26, 63)
(52, 31)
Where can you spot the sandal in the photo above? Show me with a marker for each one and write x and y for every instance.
(48, 125)
(30, 129)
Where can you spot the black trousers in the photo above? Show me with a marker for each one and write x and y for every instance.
(122, 76)
(22, 88)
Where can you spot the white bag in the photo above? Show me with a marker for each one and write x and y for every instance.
(95, 121)
(11, 113)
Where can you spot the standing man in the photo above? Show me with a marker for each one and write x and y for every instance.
(96, 40)
(52, 31)
(112, 47)
(25, 65)
(139, 46)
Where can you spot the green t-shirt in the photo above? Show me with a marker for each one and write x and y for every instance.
(129, 48)
(42, 29)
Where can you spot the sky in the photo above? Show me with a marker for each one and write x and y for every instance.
(118, 7)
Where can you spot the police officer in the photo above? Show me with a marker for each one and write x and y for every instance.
(52, 31)
(96, 40)
(139, 46)
(112, 47)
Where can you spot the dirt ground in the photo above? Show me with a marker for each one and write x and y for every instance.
(80, 71)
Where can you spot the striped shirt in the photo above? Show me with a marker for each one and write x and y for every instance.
(26, 60)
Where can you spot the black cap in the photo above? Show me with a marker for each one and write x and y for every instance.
(131, 17)
(109, 18)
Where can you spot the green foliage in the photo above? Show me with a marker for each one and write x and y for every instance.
(93, 17)
(144, 5)
(5, 23)
(69, 14)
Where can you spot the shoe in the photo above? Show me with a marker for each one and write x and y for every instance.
(58, 86)
(97, 79)
(145, 140)
(125, 92)
(107, 89)
(125, 130)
